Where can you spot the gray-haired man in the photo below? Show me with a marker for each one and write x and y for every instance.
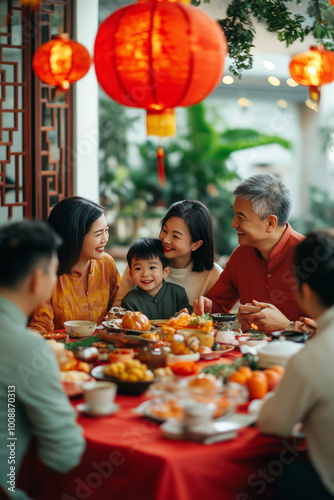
(259, 269)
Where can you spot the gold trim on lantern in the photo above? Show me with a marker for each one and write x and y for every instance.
(161, 123)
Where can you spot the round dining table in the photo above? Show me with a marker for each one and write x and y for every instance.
(127, 457)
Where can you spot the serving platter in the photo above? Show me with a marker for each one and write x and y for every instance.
(115, 325)
(224, 348)
(122, 340)
(158, 322)
(124, 386)
(149, 409)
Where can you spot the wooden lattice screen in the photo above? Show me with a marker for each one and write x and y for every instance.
(35, 124)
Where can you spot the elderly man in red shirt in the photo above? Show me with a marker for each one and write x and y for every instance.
(258, 271)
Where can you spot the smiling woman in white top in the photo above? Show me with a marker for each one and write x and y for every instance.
(188, 242)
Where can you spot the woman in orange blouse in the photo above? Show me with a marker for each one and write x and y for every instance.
(88, 278)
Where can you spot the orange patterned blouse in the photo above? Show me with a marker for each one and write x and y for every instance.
(69, 300)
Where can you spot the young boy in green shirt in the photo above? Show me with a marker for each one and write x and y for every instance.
(152, 295)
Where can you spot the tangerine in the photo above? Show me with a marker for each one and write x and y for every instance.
(238, 378)
(273, 378)
(277, 368)
(257, 385)
(246, 370)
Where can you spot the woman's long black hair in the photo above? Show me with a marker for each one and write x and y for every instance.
(199, 222)
(72, 219)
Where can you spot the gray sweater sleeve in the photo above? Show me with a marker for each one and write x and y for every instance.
(51, 416)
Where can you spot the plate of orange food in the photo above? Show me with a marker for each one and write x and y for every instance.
(73, 380)
(160, 409)
(133, 323)
(188, 321)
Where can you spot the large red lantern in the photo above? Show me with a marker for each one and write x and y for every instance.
(313, 68)
(159, 54)
(61, 62)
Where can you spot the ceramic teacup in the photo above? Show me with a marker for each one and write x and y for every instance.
(223, 321)
(226, 337)
(197, 414)
(99, 396)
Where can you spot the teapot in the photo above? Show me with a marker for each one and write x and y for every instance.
(152, 357)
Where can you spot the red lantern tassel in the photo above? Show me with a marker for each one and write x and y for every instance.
(314, 93)
(161, 168)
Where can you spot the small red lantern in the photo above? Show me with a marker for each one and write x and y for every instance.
(61, 62)
(313, 68)
(159, 54)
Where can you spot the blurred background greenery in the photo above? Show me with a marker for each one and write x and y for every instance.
(197, 167)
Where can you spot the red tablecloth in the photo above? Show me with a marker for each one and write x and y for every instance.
(127, 458)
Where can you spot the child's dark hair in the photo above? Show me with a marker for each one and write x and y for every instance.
(199, 222)
(147, 248)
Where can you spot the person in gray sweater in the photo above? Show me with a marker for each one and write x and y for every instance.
(306, 393)
(152, 295)
(32, 400)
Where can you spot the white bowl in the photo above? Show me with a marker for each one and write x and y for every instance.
(277, 353)
(257, 344)
(78, 329)
(174, 358)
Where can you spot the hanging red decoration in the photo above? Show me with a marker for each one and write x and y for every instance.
(159, 54)
(313, 68)
(61, 62)
(161, 168)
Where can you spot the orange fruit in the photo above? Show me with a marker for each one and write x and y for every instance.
(246, 370)
(273, 378)
(238, 377)
(277, 368)
(222, 407)
(257, 385)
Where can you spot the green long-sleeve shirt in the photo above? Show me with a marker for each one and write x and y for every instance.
(169, 300)
(32, 402)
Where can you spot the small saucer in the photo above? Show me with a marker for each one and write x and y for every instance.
(109, 411)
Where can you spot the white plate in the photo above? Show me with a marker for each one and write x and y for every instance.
(109, 411)
(174, 358)
(145, 409)
(115, 325)
(210, 433)
(226, 348)
(216, 354)
(257, 344)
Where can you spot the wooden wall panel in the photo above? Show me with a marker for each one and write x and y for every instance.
(35, 124)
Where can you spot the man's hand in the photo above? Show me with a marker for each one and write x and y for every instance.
(307, 325)
(269, 319)
(202, 305)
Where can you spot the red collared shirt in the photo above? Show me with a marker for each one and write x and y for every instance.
(246, 277)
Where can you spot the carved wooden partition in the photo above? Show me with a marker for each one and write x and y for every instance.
(36, 163)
